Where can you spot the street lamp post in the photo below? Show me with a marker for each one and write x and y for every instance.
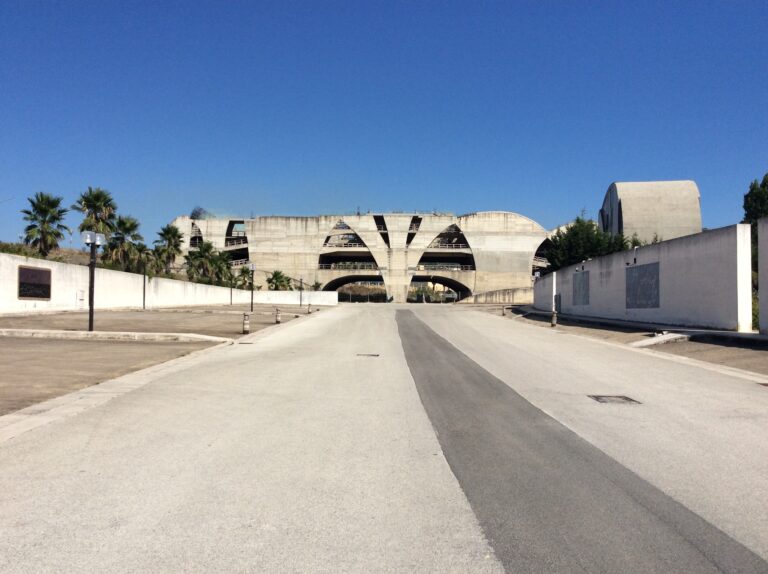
(301, 291)
(252, 267)
(94, 241)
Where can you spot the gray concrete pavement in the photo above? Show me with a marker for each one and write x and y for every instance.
(300, 450)
(290, 454)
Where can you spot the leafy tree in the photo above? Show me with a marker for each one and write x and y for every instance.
(99, 210)
(278, 281)
(316, 286)
(755, 208)
(756, 203)
(582, 240)
(122, 245)
(199, 213)
(168, 247)
(46, 228)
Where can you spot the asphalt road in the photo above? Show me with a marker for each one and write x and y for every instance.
(547, 499)
(356, 440)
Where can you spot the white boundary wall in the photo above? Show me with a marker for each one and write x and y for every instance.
(762, 271)
(119, 290)
(701, 280)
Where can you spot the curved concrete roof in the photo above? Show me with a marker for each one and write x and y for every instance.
(662, 209)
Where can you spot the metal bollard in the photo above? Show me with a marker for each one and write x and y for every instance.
(553, 319)
(246, 323)
(309, 310)
(277, 315)
(503, 314)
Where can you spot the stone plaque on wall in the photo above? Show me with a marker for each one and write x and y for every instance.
(643, 286)
(34, 283)
(581, 288)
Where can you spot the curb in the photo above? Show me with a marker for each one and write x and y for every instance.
(112, 336)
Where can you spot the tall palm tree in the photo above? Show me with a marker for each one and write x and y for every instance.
(99, 208)
(122, 244)
(201, 262)
(168, 247)
(244, 278)
(144, 260)
(46, 228)
(222, 271)
(278, 281)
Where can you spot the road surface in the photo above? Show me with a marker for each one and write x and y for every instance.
(384, 438)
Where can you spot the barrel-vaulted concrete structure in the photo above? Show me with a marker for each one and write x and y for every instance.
(652, 210)
(473, 253)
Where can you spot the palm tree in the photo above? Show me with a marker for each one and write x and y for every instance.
(168, 247)
(222, 272)
(278, 281)
(99, 209)
(207, 265)
(244, 278)
(316, 286)
(144, 260)
(122, 244)
(45, 216)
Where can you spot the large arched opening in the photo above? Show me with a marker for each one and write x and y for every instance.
(344, 249)
(436, 289)
(358, 288)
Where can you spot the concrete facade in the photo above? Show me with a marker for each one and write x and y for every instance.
(478, 252)
(701, 280)
(119, 290)
(651, 210)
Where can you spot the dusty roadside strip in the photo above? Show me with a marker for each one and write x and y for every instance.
(744, 351)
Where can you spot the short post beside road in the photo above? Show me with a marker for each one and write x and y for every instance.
(553, 319)
(246, 323)
(277, 315)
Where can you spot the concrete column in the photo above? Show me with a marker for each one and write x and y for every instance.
(762, 271)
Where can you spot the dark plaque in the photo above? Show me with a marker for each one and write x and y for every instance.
(581, 288)
(34, 283)
(643, 286)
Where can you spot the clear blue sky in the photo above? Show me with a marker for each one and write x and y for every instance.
(318, 107)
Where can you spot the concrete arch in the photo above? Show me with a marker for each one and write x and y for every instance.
(453, 284)
(338, 282)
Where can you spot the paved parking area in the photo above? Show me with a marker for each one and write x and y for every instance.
(224, 321)
(34, 370)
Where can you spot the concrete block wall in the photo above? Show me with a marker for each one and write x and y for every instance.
(700, 280)
(119, 290)
(519, 296)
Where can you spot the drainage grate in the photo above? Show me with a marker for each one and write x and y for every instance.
(614, 399)
(763, 384)
(367, 354)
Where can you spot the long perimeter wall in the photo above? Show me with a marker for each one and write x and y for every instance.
(119, 290)
(701, 280)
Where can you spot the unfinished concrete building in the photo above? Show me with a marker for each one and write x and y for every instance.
(469, 254)
(652, 210)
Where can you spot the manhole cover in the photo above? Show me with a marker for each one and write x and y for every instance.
(614, 399)
(367, 354)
